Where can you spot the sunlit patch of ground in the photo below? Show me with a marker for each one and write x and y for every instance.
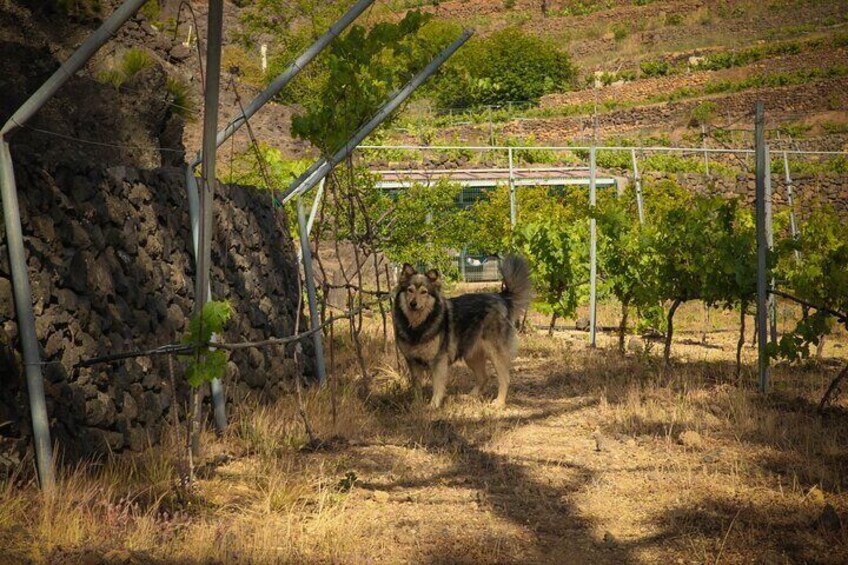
(598, 458)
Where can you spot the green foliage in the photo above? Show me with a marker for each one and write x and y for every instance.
(151, 10)
(583, 7)
(703, 113)
(674, 19)
(810, 166)
(654, 68)
(244, 63)
(206, 364)
(620, 32)
(133, 61)
(771, 80)
(182, 102)
(741, 58)
(508, 66)
(492, 231)
(820, 277)
(264, 167)
(425, 227)
(547, 245)
(625, 258)
(363, 68)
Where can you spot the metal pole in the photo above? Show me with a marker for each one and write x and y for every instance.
(462, 265)
(706, 153)
(206, 194)
(637, 181)
(14, 233)
(593, 257)
(322, 167)
(762, 250)
(26, 319)
(772, 303)
(286, 76)
(512, 210)
(790, 198)
(219, 401)
(315, 205)
(314, 322)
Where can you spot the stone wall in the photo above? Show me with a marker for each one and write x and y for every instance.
(111, 267)
(810, 191)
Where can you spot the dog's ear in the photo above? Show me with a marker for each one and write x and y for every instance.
(408, 270)
(433, 275)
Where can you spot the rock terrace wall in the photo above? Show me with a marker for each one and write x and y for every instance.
(111, 267)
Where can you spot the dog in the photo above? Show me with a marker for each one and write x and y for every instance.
(433, 332)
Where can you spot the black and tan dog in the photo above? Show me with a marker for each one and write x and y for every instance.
(434, 332)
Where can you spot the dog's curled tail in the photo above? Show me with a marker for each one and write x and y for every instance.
(517, 289)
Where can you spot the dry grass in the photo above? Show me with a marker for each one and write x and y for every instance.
(598, 458)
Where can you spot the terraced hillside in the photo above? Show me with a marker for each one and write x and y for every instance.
(646, 66)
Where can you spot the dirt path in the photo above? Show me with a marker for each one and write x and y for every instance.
(595, 460)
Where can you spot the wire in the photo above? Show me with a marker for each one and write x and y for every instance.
(99, 143)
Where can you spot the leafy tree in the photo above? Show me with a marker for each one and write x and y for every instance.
(547, 244)
(817, 279)
(509, 65)
(730, 264)
(362, 68)
(425, 225)
(625, 260)
(677, 238)
(492, 231)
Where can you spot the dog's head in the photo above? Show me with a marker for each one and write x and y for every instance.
(418, 293)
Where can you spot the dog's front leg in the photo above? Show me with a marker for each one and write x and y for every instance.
(440, 378)
(416, 377)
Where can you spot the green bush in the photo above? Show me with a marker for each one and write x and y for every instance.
(703, 113)
(620, 32)
(508, 66)
(654, 68)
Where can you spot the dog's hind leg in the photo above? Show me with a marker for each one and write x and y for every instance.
(477, 364)
(501, 359)
(440, 378)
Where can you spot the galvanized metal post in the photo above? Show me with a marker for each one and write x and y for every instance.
(462, 265)
(14, 233)
(206, 193)
(315, 204)
(637, 181)
(790, 199)
(593, 258)
(219, 401)
(26, 319)
(308, 275)
(323, 166)
(512, 209)
(762, 251)
(772, 303)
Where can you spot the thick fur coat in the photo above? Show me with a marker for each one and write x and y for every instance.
(433, 332)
